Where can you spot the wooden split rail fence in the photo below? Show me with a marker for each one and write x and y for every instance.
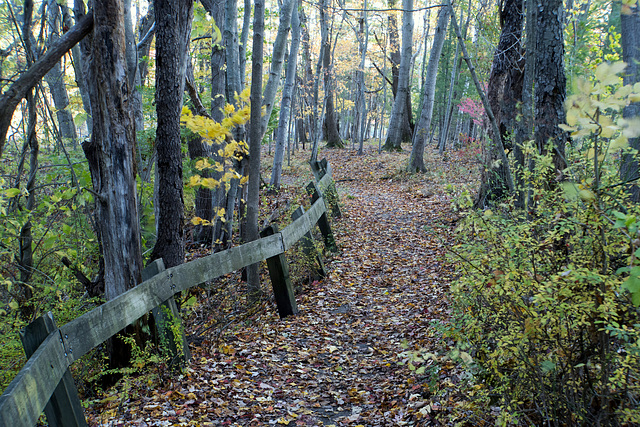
(45, 382)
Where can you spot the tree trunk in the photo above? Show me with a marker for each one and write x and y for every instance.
(255, 140)
(361, 103)
(630, 40)
(505, 95)
(230, 37)
(55, 79)
(244, 38)
(173, 20)
(146, 29)
(416, 162)
(485, 102)
(395, 134)
(307, 80)
(550, 83)
(287, 93)
(132, 65)
(277, 61)
(25, 260)
(330, 123)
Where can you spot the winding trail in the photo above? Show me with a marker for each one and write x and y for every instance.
(338, 361)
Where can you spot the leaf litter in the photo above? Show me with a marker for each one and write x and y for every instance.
(370, 344)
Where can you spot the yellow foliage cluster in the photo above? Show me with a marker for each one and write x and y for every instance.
(595, 110)
(219, 133)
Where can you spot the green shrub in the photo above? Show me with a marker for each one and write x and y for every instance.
(545, 298)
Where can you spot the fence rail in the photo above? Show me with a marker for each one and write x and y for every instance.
(38, 386)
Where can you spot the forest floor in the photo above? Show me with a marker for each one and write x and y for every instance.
(344, 359)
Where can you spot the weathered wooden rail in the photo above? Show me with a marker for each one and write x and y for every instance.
(45, 383)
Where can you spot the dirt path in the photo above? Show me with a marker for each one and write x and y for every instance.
(337, 363)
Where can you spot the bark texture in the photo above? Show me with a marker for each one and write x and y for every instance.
(173, 20)
(287, 94)
(550, 82)
(395, 134)
(55, 78)
(110, 151)
(504, 94)
(255, 140)
(330, 123)
(416, 161)
(277, 61)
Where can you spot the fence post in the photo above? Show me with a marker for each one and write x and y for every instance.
(280, 281)
(64, 407)
(168, 321)
(320, 169)
(310, 250)
(323, 221)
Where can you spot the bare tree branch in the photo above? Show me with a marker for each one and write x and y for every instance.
(18, 90)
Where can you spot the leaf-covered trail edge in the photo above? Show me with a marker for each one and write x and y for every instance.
(343, 359)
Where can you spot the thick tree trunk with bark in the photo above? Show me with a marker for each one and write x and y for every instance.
(110, 152)
(395, 134)
(550, 83)
(630, 40)
(287, 94)
(505, 95)
(255, 142)
(173, 20)
(416, 162)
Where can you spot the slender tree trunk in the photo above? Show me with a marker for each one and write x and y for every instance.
(132, 65)
(525, 125)
(146, 30)
(395, 135)
(25, 260)
(287, 94)
(550, 83)
(457, 62)
(277, 61)
(77, 59)
(505, 95)
(416, 162)
(364, 36)
(630, 40)
(307, 80)
(244, 38)
(55, 79)
(173, 20)
(255, 140)
(330, 121)
(230, 37)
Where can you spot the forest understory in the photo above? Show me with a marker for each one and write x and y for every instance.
(369, 346)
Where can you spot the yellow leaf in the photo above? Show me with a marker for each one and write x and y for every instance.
(196, 220)
(586, 195)
(619, 143)
(607, 74)
(194, 181)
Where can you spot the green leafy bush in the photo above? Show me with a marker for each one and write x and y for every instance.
(547, 298)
